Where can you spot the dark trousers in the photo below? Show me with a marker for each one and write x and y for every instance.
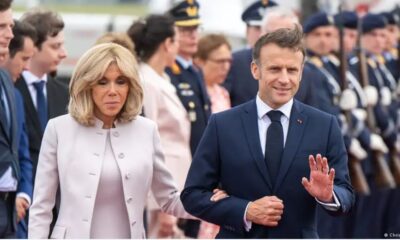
(7, 215)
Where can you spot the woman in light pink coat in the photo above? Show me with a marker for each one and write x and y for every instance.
(103, 156)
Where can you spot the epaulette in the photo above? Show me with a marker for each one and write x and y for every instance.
(334, 59)
(371, 62)
(394, 52)
(316, 61)
(175, 69)
(380, 59)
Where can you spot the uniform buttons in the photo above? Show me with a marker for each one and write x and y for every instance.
(99, 133)
(96, 154)
(121, 155)
(128, 175)
(92, 174)
(133, 223)
(116, 134)
(85, 220)
(129, 200)
(88, 197)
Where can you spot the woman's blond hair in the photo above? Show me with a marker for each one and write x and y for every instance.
(90, 68)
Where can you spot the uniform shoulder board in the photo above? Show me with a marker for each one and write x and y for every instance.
(334, 59)
(394, 52)
(380, 59)
(316, 61)
(176, 69)
(353, 60)
(371, 62)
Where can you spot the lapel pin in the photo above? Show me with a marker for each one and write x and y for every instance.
(299, 121)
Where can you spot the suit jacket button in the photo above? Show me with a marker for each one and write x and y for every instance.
(121, 155)
(128, 175)
(133, 223)
(129, 200)
(116, 134)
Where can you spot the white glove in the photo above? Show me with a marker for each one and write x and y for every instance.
(348, 100)
(372, 95)
(360, 114)
(356, 150)
(386, 96)
(378, 144)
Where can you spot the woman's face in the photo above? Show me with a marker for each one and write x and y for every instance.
(172, 48)
(215, 68)
(109, 94)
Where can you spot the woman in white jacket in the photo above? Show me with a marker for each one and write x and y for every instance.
(102, 155)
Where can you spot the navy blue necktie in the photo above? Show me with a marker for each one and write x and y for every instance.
(274, 144)
(41, 103)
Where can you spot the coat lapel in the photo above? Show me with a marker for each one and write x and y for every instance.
(30, 109)
(249, 120)
(297, 125)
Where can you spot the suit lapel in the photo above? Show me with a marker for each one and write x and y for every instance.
(250, 124)
(30, 109)
(3, 118)
(297, 125)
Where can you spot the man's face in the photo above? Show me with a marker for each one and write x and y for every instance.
(350, 39)
(21, 59)
(6, 25)
(253, 33)
(188, 40)
(321, 40)
(49, 56)
(392, 36)
(374, 41)
(278, 74)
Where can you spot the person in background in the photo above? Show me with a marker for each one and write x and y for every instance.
(14, 168)
(21, 50)
(253, 16)
(188, 82)
(120, 38)
(157, 41)
(214, 59)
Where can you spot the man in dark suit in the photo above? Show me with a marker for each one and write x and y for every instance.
(21, 50)
(15, 164)
(45, 97)
(270, 195)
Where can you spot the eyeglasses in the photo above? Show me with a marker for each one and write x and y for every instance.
(190, 30)
(221, 61)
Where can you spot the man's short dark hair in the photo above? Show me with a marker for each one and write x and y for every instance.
(46, 23)
(284, 38)
(21, 30)
(5, 5)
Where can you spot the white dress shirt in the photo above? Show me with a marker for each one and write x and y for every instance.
(30, 79)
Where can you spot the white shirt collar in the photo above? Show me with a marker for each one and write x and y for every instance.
(185, 64)
(263, 108)
(30, 78)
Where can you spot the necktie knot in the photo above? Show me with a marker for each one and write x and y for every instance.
(39, 85)
(275, 115)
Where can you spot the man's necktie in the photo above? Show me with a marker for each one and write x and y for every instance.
(41, 103)
(274, 144)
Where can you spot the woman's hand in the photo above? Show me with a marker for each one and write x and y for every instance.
(218, 195)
